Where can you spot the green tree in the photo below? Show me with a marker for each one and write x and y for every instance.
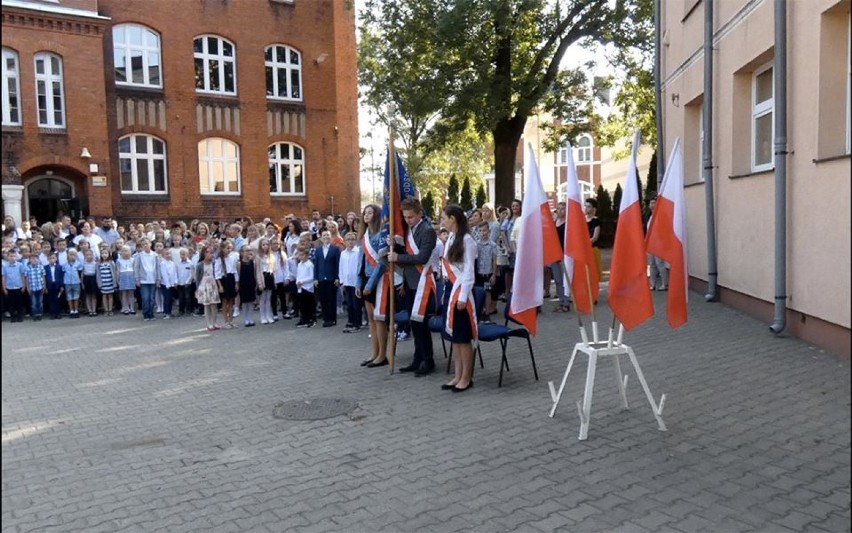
(453, 190)
(429, 205)
(466, 195)
(481, 196)
(616, 200)
(500, 61)
(606, 216)
(651, 180)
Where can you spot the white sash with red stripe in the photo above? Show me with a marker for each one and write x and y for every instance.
(454, 275)
(426, 285)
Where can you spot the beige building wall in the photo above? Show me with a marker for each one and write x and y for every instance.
(818, 165)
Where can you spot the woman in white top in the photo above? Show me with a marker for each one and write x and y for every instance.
(458, 267)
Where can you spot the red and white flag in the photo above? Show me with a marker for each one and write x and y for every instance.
(629, 295)
(538, 246)
(579, 258)
(667, 235)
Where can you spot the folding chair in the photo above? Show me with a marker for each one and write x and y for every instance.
(502, 333)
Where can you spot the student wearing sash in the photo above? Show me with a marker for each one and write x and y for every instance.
(458, 269)
(373, 284)
(419, 283)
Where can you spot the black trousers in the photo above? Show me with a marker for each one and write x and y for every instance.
(327, 293)
(307, 307)
(15, 304)
(420, 333)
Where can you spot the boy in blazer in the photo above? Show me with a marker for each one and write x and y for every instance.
(54, 277)
(327, 275)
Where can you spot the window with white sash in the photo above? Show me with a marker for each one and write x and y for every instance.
(762, 119)
(218, 167)
(11, 89)
(142, 164)
(136, 55)
(215, 65)
(50, 93)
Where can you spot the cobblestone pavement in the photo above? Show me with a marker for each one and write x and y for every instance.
(114, 424)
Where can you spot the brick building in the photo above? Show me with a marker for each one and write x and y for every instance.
(173, 109)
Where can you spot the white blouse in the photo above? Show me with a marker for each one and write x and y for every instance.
(464, 270)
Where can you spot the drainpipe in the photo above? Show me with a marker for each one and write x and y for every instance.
(707, 149)
(779, 72)
(658, 92)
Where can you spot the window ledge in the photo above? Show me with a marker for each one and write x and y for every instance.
(752, 174)
(285, 195)
(52, 131)
(220, 195)
(831, 158)
(217, 98)
(694, 184)
(140, 91)
(13, 128)
(145, 197)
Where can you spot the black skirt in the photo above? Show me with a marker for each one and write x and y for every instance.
(462, 328)
(229, 286)
(90, 284)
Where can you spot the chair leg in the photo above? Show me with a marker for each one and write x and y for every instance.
(449, 357)
(505, 344)
(502, 364)
(444, 346)
(532, 358)
(478, 349)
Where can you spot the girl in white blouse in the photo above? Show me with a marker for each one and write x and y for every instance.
(459, 271)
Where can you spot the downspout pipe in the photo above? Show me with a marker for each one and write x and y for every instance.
(779, 72)
(707, 150)
(658, 92)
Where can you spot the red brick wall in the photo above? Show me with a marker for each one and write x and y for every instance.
(329, 104)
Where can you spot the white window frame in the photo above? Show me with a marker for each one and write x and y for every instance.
(584, 155)
(149, 157)
(287, 66)
(48, 78)
(206, 57)
(760, 110)
(11, 87)
(126, 48)
(211, 163)
(276, 162)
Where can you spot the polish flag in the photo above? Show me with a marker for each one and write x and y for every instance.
(629, 295)
(579, 258)
(538, 246)
(667, 235)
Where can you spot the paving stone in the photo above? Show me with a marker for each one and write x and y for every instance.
(135, 426)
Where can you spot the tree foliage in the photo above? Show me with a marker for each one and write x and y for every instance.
(616, 200)
(466, 195)
(481, 196)
(429, 205)
(492, 62)
(453, 190)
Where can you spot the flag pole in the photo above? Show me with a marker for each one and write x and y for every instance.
(583, 335)
(592, 305)
(392, 196)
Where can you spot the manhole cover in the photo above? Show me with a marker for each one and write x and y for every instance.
(314, 409)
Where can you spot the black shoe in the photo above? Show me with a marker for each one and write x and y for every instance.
(425, 370)
(374, 365)
(469, 386)
(446, 386)
(366, 362)
(410, 368)
(327, 324)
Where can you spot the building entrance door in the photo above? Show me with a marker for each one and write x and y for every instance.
(47, 196)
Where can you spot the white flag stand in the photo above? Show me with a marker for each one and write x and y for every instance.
(594, 350)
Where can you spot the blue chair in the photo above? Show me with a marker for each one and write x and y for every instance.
(478, 306)
(435, 322)
(502, 333)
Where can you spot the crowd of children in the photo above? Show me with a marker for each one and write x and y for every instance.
(236, 270)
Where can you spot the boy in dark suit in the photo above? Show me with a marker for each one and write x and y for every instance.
(54, 276)
(327, 274)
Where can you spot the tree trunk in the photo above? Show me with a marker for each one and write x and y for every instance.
(506, 135)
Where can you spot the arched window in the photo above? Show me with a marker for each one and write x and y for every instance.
(583, 150)
(136, 54)
(11, 89)
(50, 95)
(283, 72)
(142, 164)
(286, 169)
(215, 65)
(218, 166)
